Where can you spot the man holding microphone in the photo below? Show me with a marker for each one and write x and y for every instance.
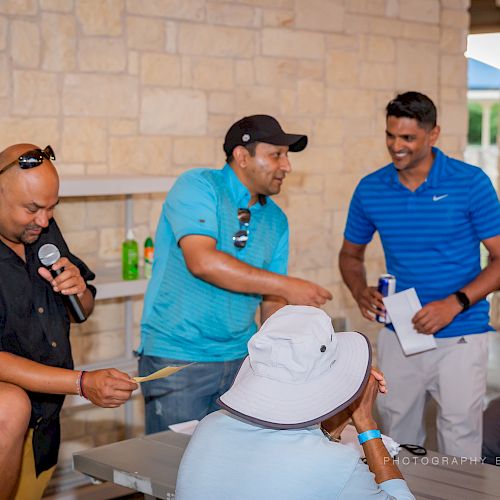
(35, 353)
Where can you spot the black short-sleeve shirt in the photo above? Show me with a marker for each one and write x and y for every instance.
(34, 323)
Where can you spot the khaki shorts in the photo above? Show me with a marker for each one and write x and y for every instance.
(29, 486)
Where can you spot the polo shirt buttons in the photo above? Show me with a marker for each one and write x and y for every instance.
(53, 343)
(41, 310)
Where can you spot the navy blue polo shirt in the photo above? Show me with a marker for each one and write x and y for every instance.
(431, 236)
(184, 317)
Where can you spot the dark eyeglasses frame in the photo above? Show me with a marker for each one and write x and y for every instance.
(32, 158)
(415, 449)
(240, 237)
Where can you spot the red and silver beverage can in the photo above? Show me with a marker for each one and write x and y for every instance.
(386, 286)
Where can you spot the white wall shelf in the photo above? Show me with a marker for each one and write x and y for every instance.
(112, 185)
(122, 288)
(108, 280)
(110, 285)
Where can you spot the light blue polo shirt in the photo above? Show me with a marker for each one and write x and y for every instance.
(228, 458)
(431, 236)
(187, 318)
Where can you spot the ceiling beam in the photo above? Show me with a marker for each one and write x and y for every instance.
(484, 16)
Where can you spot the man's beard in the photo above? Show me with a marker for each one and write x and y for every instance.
(28, 239)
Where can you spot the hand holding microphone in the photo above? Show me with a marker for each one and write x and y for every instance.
(64, 277)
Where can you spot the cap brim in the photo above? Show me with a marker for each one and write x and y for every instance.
(286, 406)
(294, 142)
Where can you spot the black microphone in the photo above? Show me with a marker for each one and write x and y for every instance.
(49, 254)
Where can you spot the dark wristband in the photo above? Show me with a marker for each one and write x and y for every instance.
(463, 300)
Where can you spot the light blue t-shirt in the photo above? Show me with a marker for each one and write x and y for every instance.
(431, 236)
(228, 458)
(184, 317)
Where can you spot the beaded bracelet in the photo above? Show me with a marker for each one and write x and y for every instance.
(78, 383)
(367, 435)
(82, 394)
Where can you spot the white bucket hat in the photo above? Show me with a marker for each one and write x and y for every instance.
(298, 371)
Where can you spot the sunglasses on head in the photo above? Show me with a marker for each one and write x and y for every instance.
(240, 238)
(32, 158)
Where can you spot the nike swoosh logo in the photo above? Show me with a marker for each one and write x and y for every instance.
(437, 198)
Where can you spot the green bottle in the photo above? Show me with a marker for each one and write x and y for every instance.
(130, 257)
(149, 249)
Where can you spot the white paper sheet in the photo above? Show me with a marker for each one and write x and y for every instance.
(185, 427)
(402, 307)
(161, 373)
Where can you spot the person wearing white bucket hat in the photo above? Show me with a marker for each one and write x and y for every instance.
(266, 442)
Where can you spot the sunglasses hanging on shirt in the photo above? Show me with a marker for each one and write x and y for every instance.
(240, 238)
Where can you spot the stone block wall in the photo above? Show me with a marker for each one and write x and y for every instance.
(151, 86)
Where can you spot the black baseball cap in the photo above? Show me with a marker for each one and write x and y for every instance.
(261, 128)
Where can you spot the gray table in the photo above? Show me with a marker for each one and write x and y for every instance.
(149, 465)
(437, 476)
(146, 464)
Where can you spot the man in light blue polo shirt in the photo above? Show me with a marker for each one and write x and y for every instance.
(431, 212)
(221, 253)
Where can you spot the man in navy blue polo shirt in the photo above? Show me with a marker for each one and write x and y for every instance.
(431, 212)
(221, 253)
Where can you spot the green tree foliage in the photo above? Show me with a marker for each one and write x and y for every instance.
(475, 119)
(494, 123)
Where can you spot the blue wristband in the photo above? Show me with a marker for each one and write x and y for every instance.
(367, 435)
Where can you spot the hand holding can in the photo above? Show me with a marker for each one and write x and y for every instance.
(386, 286)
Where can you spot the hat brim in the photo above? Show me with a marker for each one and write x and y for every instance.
(294, 142)
(279, 405)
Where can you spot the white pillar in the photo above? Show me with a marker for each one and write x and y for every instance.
(485, 125)
(485, 135)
